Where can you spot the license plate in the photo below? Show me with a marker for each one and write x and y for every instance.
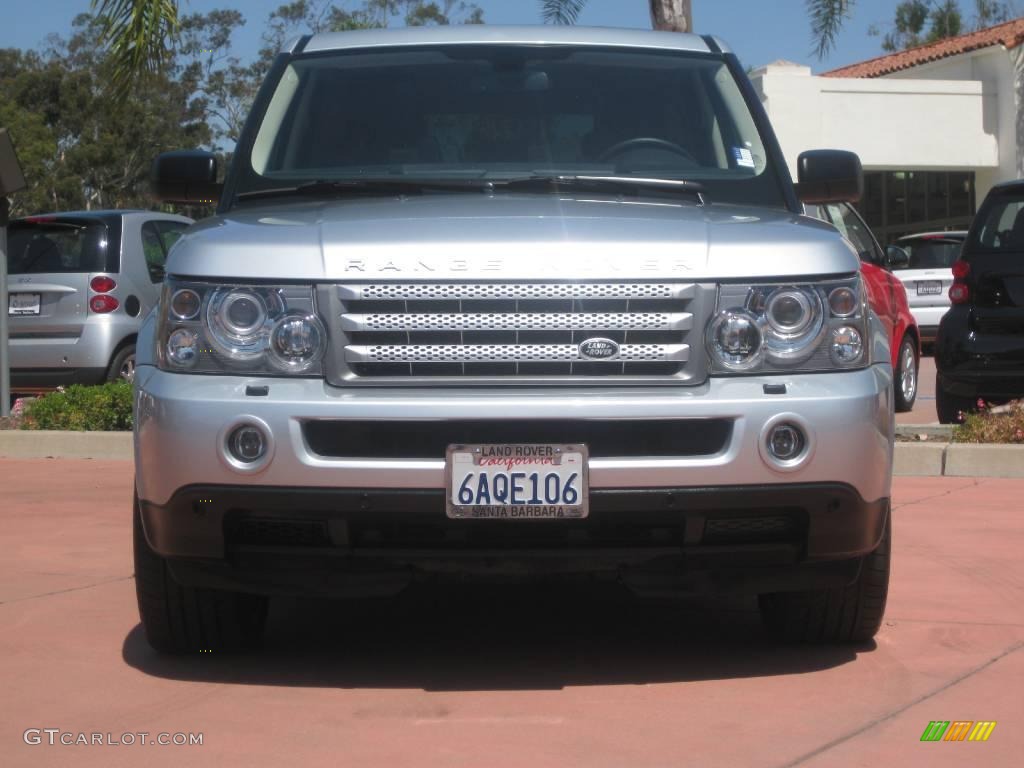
(517, 482)
(23, 304)
(929, 287)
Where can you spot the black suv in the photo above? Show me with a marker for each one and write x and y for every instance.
(979, 352)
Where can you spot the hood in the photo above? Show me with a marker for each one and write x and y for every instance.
(508, 236)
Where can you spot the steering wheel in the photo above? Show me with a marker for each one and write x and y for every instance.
(645, 141)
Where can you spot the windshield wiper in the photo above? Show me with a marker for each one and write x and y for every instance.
(370, 186)
(602, 184)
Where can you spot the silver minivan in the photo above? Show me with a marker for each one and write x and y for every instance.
(80, 285)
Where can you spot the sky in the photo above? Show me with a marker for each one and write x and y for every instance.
(759, 31)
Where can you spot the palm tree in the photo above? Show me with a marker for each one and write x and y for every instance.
(139, 34)
(826, 17)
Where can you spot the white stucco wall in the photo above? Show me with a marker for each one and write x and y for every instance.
(957, 116)
(994, 69)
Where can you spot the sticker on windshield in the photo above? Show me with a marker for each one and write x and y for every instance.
(744, 157)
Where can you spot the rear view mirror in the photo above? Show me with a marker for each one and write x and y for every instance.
(896, 257)
(829, 176)
(186, 176)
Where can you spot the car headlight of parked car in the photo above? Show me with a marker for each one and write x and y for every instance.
(216, 328)
(789, 327)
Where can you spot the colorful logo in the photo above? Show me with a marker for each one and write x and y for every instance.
(958, 730)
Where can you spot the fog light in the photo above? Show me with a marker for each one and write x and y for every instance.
(247, 444)
(786, 442)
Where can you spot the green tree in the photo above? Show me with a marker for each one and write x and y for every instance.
(826, 17)
(141, 34)
(920, 22)
(82, 146)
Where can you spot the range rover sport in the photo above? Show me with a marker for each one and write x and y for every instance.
(510, 302)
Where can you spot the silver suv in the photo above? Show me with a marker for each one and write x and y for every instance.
(510, 303)
(81, 284)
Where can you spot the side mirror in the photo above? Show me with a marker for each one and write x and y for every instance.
(186, 176)
(829, 176)
(896, 257)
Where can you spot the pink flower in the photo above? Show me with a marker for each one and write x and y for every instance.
(981, 404)
(959, 415)
(19, 407)
(1020, 434)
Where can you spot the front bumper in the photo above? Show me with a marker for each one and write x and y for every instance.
(359, 541)
(181, 421)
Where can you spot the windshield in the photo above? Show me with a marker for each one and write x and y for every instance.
(999, 226)
(931, 252)
(506, 111)
(46, 247)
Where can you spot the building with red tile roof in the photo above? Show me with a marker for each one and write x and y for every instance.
(935, 126)
(1009, 35)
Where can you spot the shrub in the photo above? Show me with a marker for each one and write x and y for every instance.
(103, 408)
(1004, 424)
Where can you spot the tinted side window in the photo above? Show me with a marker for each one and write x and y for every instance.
(170, 232)
(853, 229)
(153, 248)
(40, 247)
(1000, 226)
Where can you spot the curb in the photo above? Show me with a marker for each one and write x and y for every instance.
(910, 459)
(958, 460)
(32, 444)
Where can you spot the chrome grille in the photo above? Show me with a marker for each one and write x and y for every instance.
(500, 353)
(505, 321)
(505, 332)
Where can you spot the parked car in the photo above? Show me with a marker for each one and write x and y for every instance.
(886, 294)
(979, 353)
(80, 285)
(928, 276)
(502, 302)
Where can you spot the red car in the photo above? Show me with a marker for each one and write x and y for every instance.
(886, 295)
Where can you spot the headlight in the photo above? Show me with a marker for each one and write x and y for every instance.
(806, 327)
(210, 328)
(736, 339)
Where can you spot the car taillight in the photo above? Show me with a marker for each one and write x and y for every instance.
(960, 292)
(102, 284)
(103, 304)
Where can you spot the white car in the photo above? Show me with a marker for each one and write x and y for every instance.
(929, 276)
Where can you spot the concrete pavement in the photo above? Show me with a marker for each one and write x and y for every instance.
(509, 677)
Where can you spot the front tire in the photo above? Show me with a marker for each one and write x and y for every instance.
(180, 619)
(850, 614)
(906, 375)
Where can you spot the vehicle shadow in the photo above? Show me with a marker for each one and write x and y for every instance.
(498, 639)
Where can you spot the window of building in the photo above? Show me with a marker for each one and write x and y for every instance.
(898, 203)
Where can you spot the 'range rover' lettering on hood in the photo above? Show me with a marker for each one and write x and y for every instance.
(508, 237)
